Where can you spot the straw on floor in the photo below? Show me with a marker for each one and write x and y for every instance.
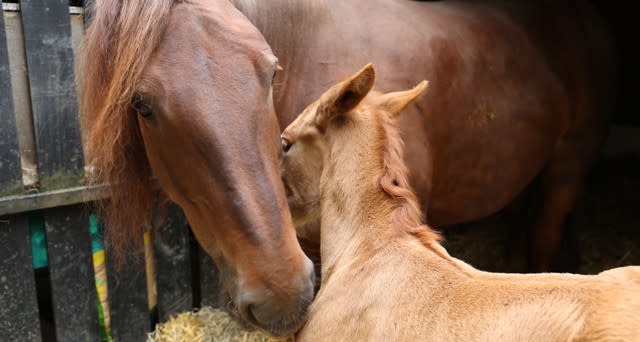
(207, 325)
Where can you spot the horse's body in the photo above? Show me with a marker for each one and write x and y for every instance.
(182, 89)
(386, 278)
(517, 90)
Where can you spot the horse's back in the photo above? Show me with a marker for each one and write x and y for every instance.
(508, 81)
(514, 87)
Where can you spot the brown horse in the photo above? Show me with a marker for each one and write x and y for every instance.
(183, 90)
(519, 89)
(386, 277)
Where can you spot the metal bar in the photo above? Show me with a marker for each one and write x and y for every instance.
(73, 287)
(75, 10)
(8, 6)
(13, 7)
(52, 199)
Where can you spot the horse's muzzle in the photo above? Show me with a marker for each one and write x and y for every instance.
(279, 311)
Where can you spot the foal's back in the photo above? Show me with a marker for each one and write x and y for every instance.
(408, 292)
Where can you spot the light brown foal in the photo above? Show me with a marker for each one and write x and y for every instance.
(385, 277)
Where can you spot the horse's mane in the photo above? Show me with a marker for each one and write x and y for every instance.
(407, 215)
(116, 48)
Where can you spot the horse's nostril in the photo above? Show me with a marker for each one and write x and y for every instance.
(250, 315)
(247, 313)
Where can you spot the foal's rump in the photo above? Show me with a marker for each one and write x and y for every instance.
(627, 276)
(554, 306)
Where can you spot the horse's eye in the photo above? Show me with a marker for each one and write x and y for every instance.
(140, 106)
(286, 145)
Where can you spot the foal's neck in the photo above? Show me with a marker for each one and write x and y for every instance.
(356, 212)
(367, 204)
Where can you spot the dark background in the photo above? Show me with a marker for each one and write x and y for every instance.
(603, 231)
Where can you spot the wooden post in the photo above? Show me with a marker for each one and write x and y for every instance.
(127, 295)
(210, 287)
(19, 319)
(15, 111)
(47, 34)
(71, 270)
(171, 249)
(10, 180)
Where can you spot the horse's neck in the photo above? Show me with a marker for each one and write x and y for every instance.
(293, 29)
(282, 22)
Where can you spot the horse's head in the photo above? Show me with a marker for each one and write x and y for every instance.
(197, 79)
(306, 142)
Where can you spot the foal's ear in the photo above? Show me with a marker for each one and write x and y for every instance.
(395, 102)
(344, 96)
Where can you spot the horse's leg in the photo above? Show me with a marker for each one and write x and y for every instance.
(517, 215)
(589, 75)
(562, 180)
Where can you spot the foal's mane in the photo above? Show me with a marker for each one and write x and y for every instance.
(118, 44)
(407, 215)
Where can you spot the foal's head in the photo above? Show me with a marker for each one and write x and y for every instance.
(351, 107)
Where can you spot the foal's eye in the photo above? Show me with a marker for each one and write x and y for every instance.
(275, 71)
(286, 145)
(276, 68)
(140, 106)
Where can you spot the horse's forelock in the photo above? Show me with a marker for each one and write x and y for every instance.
(118, 44)
(407, 215)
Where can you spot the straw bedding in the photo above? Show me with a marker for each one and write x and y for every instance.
(207, 325)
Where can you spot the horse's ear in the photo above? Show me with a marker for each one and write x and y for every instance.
(344, 96)
(395, 102)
